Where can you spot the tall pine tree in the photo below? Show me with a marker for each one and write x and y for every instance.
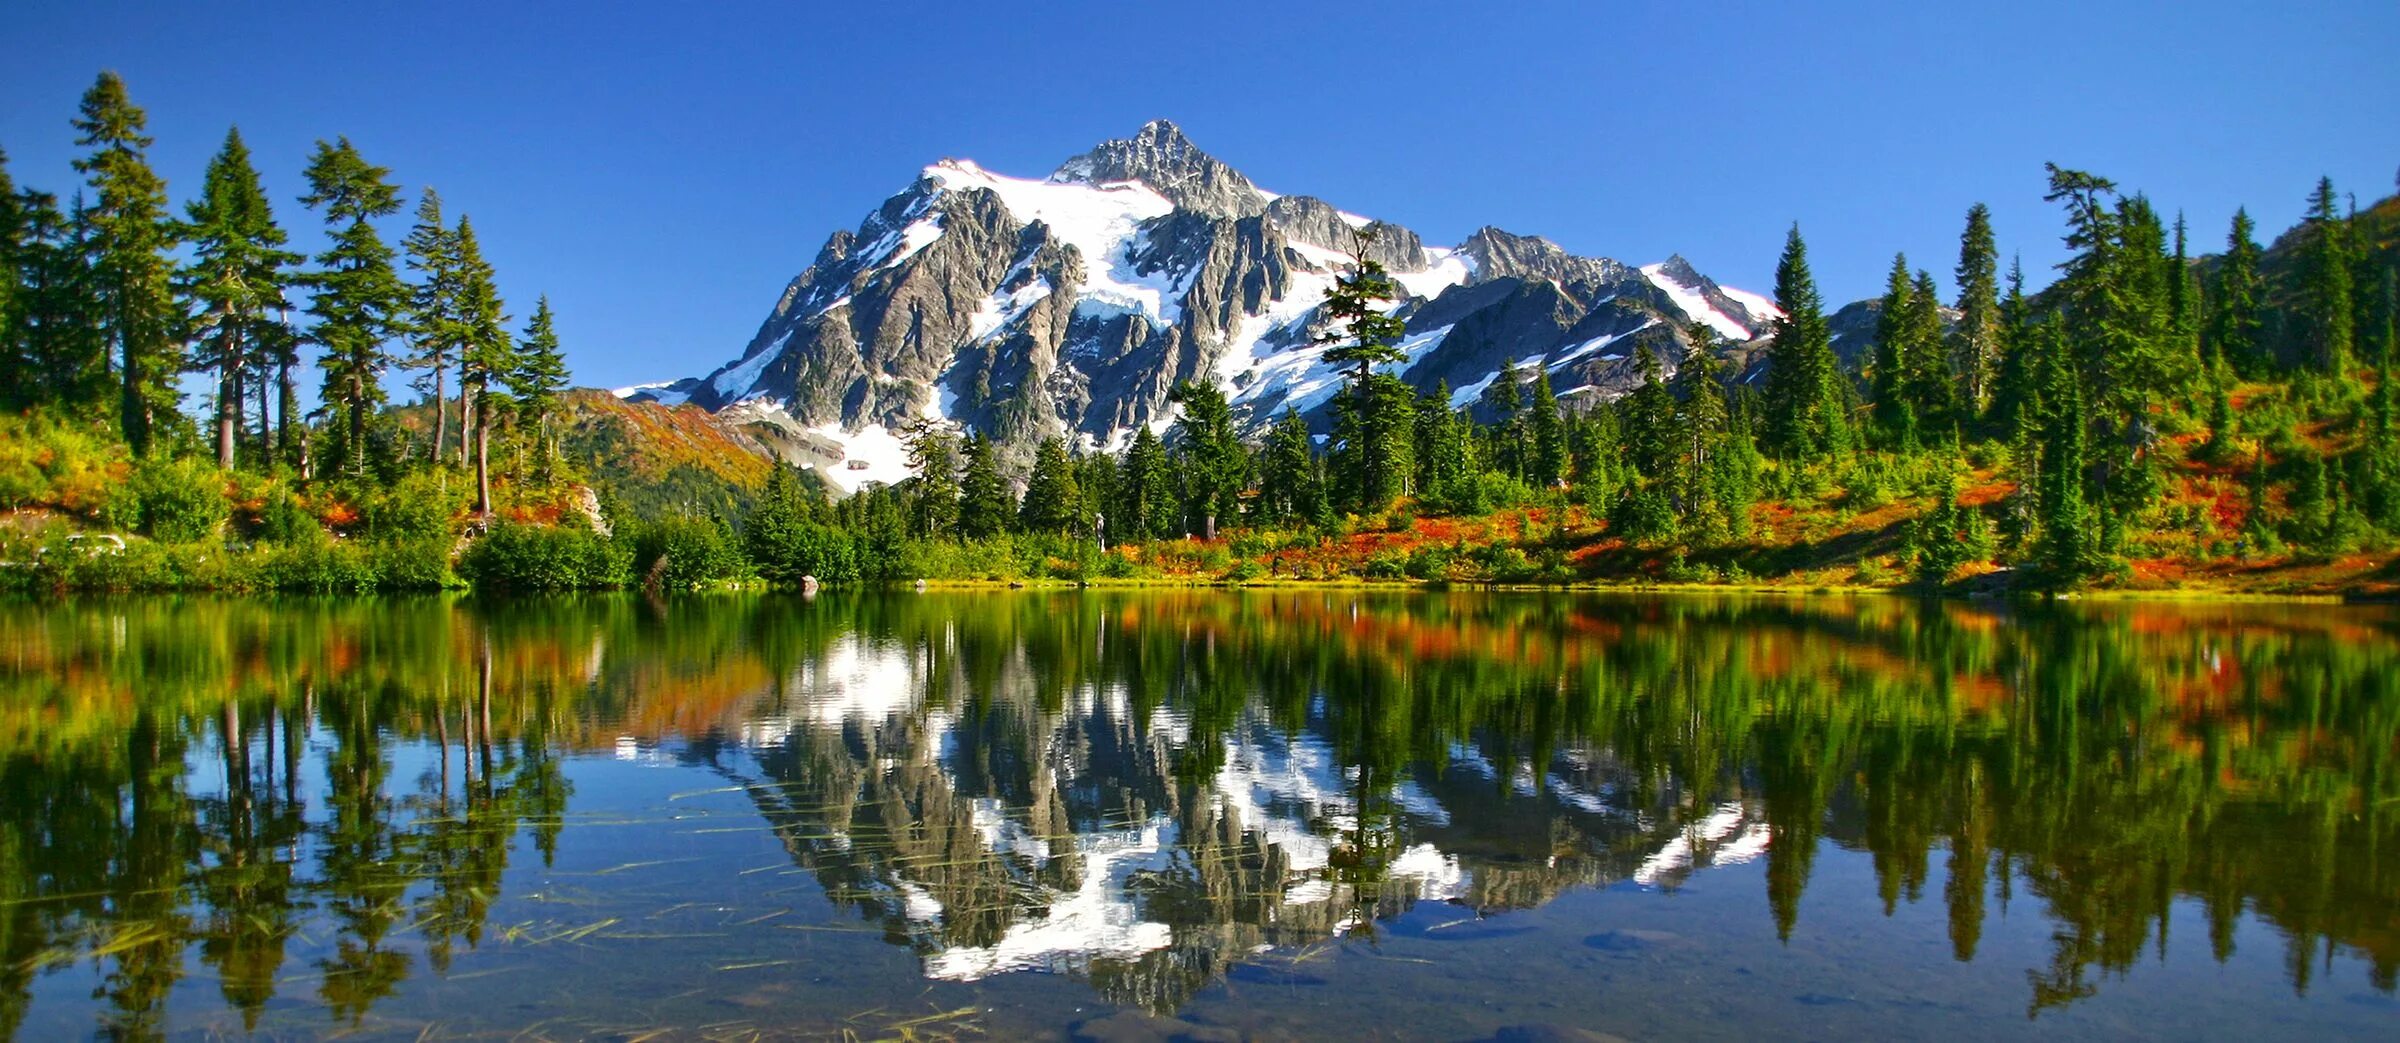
(359, 299)
(433, 320)
(536, 381)
(1977, 357)
(2324, 297)
(1806, 412)
(238, 277)
(1373, 430)
(129, 239)
(2235, 321)
(486, 355)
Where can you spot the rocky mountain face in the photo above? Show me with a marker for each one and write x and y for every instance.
(1071, 305)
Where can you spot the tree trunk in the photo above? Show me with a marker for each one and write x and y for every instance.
(229, 406)
(358, 423)
(466, 411)
(483, 466)
(441, 411)
(287, 403)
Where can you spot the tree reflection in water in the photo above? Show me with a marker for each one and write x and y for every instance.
(1144, 789)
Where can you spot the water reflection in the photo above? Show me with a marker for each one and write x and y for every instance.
(323, 800)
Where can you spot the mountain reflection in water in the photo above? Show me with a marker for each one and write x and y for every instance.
(329, 803)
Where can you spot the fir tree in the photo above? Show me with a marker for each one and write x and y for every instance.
(1287, 470)
(238, 276)
(54, 323)
(1648, 419)
(1373, 442)
(359, 299)
(1978, 355)
(1360, 334)
(1895, 417)
(1806, 417)
(2067, 550)
(933, 459)
(2183, 305)
(984, 503)
(1053, 501)
(1548, 465)
(1145, 505)
(17, 375)
(1928, 383)
(2324, 297)
(433, 320)
(1445, 452)
(1705, 416)
(2234, 321)
(130, 236)
(535, 381)
(486, 356)
(1503, 402)
(1210, 452)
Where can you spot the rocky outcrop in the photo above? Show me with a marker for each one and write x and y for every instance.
(1161, 157)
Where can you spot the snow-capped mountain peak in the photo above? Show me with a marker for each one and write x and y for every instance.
(1073, 304)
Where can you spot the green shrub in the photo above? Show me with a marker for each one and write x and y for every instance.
(683, 552)
(180, 501)
(319, 565)
(1643, 516)
(419, 506)
(545, 557)
(417, 564)
(283, 519)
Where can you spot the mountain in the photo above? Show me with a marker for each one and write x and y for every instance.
(1072, 304)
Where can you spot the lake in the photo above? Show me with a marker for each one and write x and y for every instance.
(1197, 814)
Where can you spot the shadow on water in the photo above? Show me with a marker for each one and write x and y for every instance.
(324, 805)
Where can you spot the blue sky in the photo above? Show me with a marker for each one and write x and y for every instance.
(661, 173)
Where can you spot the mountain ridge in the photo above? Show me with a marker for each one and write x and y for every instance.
(1073, 304)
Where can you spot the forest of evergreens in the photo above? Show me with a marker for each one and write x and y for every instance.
(2149, 418)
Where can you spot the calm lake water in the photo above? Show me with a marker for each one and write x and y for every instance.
(1132, 815)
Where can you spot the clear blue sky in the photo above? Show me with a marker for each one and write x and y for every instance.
(660, 171)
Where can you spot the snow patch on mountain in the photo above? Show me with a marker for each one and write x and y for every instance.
(1695, 305)
(1102, 222)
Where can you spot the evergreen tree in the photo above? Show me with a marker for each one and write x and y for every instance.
(1374, 435)
(130, 236)
(1287, 472)
(2235, 321)
(1895, 417)
(1145, 505)
(1548, 435)
(1360, 334)
(1806, 416)
(359, 299)
(1977, 357)
(1503, 401)
(486, 356)
(2324, 297)
(1445, 452)
(1209, 451)
(1929, 384)
(2183, 305)
(1705, 416)
(54, 323)
(238, 276)
(1053, 501)
(1096, 478)
(933, 457)
(985, 504)
(2067, 550)
(1648, 419)
(535, 381)
(18, 378)
(433, 320)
